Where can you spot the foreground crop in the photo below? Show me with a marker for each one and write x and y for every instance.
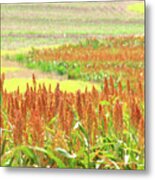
(90, 129)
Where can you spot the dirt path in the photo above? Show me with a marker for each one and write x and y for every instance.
(24, 72)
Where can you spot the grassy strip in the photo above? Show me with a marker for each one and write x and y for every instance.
(10, 69)
(65, 85)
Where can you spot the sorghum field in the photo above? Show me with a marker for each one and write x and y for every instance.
(78, 104)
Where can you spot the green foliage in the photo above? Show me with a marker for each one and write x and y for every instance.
(110, 151)
(105, 103)
(61, 68)
(74, 71)
(20, 58)
(90, 42)
(26, 156)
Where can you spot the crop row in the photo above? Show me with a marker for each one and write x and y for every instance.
(91, 59)
(91, 129)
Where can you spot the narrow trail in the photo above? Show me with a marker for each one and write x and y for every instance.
(24, 72)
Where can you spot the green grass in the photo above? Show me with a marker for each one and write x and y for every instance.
(10, 69)
(137, 7)
(65, 85)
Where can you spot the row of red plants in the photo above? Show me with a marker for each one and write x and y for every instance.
(28, 113)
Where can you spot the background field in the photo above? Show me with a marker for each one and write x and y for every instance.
(24, 25)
